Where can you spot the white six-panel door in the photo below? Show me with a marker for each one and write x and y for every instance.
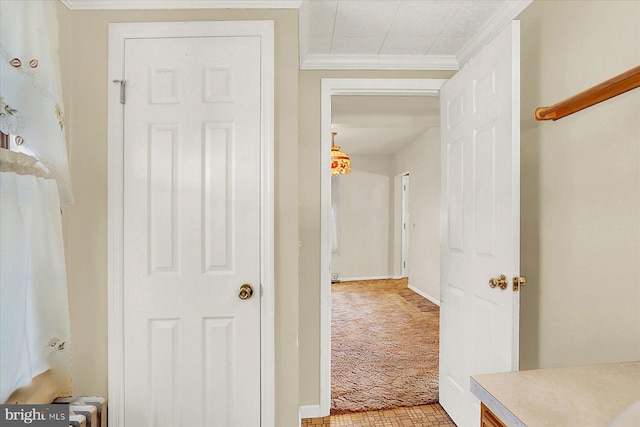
(192, 171)
(480, 237)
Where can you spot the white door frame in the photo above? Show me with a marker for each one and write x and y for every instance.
(329, 88)
(118, 33)
(404, 230)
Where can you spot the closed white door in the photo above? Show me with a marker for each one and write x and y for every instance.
(192, 168)
(480, 222)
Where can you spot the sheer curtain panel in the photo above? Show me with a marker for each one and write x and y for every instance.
(335, 215)
(31, 106)
(34, 309)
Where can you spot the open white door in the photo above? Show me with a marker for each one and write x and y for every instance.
(480, 235)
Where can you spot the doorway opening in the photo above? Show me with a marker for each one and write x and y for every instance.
(384, 88)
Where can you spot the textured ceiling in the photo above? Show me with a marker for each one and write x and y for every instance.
(434, 34)
(394, 34)
(405, 27)
(373, 34)
(369, 34)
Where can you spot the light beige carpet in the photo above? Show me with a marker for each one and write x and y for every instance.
(384, 346)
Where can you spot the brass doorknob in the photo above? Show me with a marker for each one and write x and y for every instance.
(500, 281)
(246, 291)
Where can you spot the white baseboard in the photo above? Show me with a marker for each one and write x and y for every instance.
(310, 411)
(352, 279)
(422, 294)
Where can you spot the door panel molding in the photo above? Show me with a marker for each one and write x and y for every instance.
(118, 34)
(480, 226)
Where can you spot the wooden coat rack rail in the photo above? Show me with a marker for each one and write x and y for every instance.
(608, 89)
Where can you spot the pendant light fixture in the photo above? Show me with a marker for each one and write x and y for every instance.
(340, 162)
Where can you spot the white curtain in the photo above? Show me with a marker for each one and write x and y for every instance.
(31, 104)
(34, 310)
(335, 214)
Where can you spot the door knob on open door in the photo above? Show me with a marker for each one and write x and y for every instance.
(246, 291)
(518, 282)
(500, 281)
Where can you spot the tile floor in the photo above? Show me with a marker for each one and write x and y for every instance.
(415, 416)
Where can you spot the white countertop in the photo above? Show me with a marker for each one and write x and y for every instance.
(577, 396)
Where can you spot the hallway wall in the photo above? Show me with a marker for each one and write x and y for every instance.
(365, 208)
(421, 159)
(580, 209)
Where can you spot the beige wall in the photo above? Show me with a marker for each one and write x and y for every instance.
(83, 47)
(580, 197)
(365, 208)
(309, 216)
(580, 204)
(580, 191)
(421, 159)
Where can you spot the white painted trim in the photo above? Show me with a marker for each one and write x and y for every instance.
(329, 88)
(398, 271)
(404, 224)
(267, 225)
(354, 279)
(507, 13)
(377, 62)
(180, 4)
(424, 295)
(118, 33)
(115, 231)
(310, 411)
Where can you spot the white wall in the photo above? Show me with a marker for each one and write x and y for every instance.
(421, 159)
(365, 214)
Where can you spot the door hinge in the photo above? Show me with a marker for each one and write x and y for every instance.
(123, 85)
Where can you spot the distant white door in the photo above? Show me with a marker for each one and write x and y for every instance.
(480, 222)
(405, 225)
(192, 175)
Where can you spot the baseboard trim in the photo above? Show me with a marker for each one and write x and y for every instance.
(310, 411)
(422, 294)
(352, 279)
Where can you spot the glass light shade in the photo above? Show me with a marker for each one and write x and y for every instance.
(340, 162)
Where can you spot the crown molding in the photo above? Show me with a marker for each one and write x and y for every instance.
(508, 13)
(180, 4)
(378, 62)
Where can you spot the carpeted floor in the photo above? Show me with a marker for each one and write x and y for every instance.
(384, 346)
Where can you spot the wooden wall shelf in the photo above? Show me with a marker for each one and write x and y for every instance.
(608, 89)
